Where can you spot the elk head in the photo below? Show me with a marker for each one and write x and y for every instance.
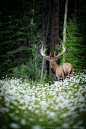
(49, 58)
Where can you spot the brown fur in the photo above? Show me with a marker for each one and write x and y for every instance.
(67, 67)
(61, 71)
(67, 70)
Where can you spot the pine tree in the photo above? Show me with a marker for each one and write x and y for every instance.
(17, 34)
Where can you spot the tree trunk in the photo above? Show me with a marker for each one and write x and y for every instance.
(45, 33)
(54, 40)
(43, 65)
(65, 23)
(75, 19)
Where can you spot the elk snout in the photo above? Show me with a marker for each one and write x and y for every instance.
(52, 62)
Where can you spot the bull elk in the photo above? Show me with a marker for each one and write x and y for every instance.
(60, 71)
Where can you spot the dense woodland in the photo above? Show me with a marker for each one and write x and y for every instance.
(27, 24)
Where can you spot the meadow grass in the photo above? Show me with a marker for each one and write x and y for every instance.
(61, 105)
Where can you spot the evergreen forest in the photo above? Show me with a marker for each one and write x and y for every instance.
(27, 24)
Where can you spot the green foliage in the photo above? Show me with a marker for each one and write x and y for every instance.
(17, 36)
(47, 78)
(27, 71)
(75, 47)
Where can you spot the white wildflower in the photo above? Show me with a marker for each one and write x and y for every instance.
(52, 114)
(23, 121)
(37, 127)
(14, 126)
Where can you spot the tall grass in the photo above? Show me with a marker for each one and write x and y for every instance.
(56, 106)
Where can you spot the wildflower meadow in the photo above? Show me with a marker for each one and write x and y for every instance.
(61, 105)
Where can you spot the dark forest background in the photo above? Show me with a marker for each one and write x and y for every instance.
(27, 24)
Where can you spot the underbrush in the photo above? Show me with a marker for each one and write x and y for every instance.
(43, 106)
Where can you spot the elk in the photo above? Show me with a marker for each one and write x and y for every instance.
(60, 71)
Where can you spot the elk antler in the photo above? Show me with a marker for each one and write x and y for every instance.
(43, 53)
(64, 49)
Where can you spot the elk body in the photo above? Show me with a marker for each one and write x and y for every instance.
(60, 71)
